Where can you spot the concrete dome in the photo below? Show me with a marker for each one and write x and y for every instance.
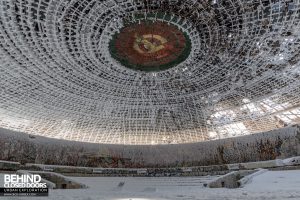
(59, 80)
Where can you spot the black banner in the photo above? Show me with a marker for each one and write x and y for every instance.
(30, 192)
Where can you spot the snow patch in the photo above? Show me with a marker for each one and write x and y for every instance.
(247, 179)
(292, 161)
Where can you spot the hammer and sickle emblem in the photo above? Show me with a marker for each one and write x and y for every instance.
(150, 43)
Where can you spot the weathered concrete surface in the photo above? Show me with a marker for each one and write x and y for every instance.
(8, 165)
(277, 144)
(55, 180)
(230, 180)
(262, 164)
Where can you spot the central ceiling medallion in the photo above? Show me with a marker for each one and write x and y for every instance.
(150, 46)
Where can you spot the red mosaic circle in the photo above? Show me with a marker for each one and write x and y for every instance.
(150, 46)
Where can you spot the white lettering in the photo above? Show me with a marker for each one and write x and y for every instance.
(13, 178)
(6, 178)
(30, 179)
(23, 181)
(37, 178)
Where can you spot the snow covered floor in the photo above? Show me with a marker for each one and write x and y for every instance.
(279, 185)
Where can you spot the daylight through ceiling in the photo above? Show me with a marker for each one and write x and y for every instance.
(60, 79)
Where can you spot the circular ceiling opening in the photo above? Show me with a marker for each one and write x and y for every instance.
(150, 46)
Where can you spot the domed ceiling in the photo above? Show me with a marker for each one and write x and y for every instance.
(96, 71)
